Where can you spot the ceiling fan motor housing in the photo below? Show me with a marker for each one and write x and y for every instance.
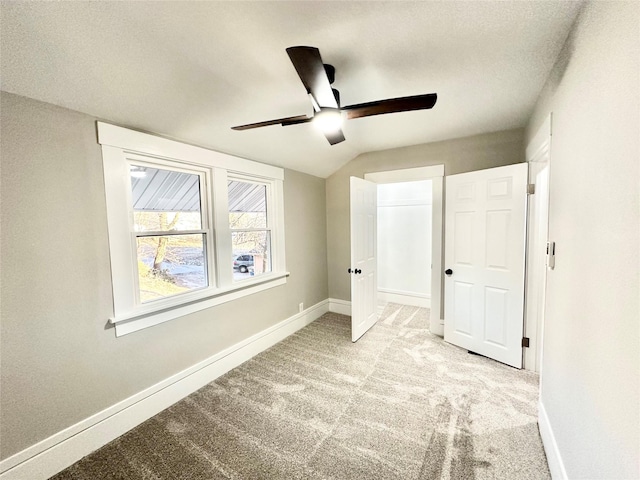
(336, 94)
(330, 70)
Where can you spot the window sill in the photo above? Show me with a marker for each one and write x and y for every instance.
(160, 313)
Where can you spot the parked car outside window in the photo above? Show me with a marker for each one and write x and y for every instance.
(242, 263)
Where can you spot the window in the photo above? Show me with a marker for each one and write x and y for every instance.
(170, 231)
(188, 228)
(250, 232)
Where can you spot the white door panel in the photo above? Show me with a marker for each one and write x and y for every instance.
(484, 247)
(364, 280)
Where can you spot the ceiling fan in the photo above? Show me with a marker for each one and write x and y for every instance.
(317, 78)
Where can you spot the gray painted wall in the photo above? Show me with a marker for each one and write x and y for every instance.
(458, 156)
(591, 361)
(60, 364)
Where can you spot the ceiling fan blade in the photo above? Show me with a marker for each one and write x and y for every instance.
(391, 105)
(280, 121)
(308, 64)
(296, 121)
(335, 137)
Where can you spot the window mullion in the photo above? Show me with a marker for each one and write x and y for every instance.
(222, 232)
(209, 225)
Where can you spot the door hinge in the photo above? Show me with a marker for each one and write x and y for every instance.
(531, 188)
(525, 342)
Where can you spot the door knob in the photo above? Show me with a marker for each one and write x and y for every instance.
(349, 271)
(358, 271)
(448, 272)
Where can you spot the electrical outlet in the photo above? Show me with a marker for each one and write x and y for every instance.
(301, 307)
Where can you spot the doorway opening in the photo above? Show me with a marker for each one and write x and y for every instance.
(404, 243)
(405, 280)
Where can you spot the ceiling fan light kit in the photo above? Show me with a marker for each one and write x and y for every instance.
(328, 120)
(317, 78)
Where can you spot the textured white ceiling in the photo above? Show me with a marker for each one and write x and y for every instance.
(191, 70)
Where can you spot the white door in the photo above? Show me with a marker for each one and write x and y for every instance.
(364, 278)
(485, 231)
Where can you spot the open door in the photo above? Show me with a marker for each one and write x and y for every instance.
(363, 269)
(485, 231)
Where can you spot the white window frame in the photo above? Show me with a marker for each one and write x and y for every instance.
(269, 226)
(205, 228)
(120, 148)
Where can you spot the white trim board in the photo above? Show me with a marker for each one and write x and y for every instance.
(126, 325)
(54, 454)
(404, 298)
(437, 327)
(554, 459)
(538, 157)
(405, 174)
(340, 306)
(541, 139)
(149, 144)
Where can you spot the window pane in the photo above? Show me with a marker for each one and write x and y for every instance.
(251, 254)
(247, 205)
(165, 200)
(170, 265)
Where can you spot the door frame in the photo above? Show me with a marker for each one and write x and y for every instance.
(435, 173)
(538, 156)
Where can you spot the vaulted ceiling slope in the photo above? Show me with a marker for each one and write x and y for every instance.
(191, 70)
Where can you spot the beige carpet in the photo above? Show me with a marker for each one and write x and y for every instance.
(398, 404)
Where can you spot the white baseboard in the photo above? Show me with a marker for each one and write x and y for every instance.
(554, 459)
(54, 454)
(404, 298)
(340, 306)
